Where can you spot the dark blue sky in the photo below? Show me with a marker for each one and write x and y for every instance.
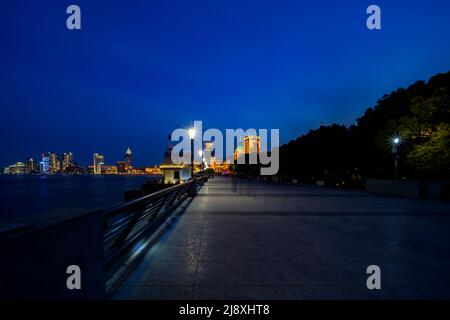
(139, 69)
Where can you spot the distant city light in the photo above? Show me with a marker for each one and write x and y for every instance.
(52, 163)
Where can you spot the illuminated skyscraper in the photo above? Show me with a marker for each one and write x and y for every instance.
(45, 163)
(252, 144)
(55, 165)
(98, 161)
(31, 166)
(209, 152)
(128, 160)
(67, 161)
(208, 146)
(239, 151)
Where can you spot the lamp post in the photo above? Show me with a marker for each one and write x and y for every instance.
(200, 153)
(192, 136)
(395, 144)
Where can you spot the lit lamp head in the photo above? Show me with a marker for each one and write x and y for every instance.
(395, 142)
(200, 153)
(191, 132)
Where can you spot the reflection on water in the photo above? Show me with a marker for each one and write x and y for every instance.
(29, 195)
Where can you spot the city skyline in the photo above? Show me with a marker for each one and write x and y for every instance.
(154, 67)
(64, 162)
(58, 162)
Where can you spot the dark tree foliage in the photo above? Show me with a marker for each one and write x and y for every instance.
(419, 115)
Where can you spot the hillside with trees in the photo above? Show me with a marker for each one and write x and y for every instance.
(419, 116)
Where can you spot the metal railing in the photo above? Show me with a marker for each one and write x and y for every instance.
(125, 225)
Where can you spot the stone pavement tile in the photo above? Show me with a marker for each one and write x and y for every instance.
(183, 251)
(242, 204)
(283, 242)
(271, 226)
(418, 292)
(154, 293)
(154, 273)
(243, 293)
(185, 217)
(237, 273)
(340, 292)
(216, 220)
(240, 252)
(401, 273)
(186, 228)
(226, 229)
(293, 251)
(224, 238)
(181, 237)
(315, 272)
(358, 251)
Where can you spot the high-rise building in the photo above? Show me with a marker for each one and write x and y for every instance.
(252, 144)
(238, 152)
(67, 161)
(208, 152)
(45, 163)
(98, 161)
(55, 165)
(31, 166)
(128, 160)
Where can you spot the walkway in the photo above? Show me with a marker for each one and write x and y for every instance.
(249, 240)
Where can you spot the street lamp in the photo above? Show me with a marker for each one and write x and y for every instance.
(191, 132)
(396, 141)
(200, 153)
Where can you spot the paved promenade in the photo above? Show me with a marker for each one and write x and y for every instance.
(249, 240)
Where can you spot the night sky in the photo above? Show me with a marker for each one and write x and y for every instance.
(139, 69)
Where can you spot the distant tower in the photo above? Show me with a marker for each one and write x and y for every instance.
(67, 160)
(252, 144)
(55, 165)
(209, 152)
(31, 166)
(128, 159)
(45, 164)
(99, 160)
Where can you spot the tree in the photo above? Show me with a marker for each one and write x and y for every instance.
(420, 114)
(431, 159)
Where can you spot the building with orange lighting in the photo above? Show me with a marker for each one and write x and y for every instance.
(252, 144)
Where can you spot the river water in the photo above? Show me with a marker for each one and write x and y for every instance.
(22, 196)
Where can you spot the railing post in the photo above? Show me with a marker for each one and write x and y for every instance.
(193, 188)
